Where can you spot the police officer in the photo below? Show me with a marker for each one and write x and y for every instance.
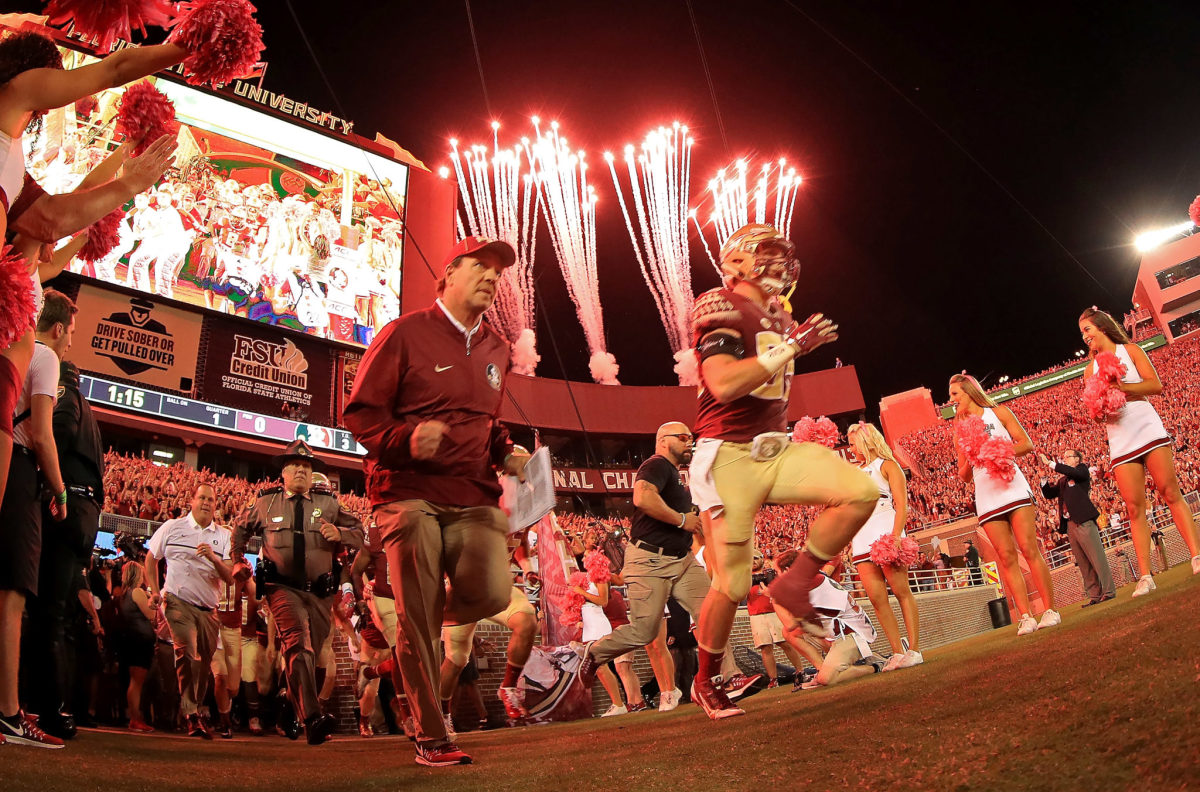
(301, 527)
(65, 551)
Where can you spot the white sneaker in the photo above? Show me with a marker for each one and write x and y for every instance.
(1196, 565)
(893, 663)
(615, 709)
(1144, 586)
(1027, 625)
(910, 658)
(450, 733)
(669, 700)
(1050, 619)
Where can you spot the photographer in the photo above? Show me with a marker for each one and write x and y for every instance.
(1077, 519)
(765, 625)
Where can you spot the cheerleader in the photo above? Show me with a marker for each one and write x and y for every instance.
(1005, 511)
(871, 453)
(595, 626)
(1138, 442)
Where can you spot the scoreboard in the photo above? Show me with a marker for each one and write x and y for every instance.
(176, 408)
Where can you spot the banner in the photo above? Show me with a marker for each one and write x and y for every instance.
(601, 482)
(267, 371)
(135, 338)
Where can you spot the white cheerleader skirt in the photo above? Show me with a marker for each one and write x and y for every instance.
(880, 523)
(595, 623)
(1134, 432)
(994, 498)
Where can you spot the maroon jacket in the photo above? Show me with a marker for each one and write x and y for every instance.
(419, 368)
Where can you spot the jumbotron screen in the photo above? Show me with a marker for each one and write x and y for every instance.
(259, 217)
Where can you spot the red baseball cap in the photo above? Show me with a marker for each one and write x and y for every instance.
(472, 244)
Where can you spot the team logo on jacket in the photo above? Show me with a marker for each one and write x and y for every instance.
(493, 376)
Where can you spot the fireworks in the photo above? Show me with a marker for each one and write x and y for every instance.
(500, 202)
(569, 204)
(659, 178)
(735, 203)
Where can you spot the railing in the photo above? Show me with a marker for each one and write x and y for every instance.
(1159, 519)
(130, 525)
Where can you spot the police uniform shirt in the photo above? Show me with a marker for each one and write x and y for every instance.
(190, 577)
(273, 515)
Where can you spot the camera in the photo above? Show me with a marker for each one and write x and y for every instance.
(763, 578)
(134, 547)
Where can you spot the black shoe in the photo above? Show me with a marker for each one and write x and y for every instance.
(85, 721)
(59, 724)
(317, 728)
(1108, 597)
(1090, 603)
(286, 721)
(225, 728)
(198, 728)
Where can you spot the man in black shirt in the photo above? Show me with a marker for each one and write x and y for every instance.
(66, 550)
(658, 561)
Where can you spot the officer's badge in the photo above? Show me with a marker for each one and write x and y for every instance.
(316, 513)
(493, 376)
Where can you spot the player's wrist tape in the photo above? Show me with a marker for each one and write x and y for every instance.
(61, 498)
(347, 588)
(777, 357)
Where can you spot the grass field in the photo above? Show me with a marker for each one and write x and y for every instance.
(1107, 701)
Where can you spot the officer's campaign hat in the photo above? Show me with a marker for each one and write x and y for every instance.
(298, 451)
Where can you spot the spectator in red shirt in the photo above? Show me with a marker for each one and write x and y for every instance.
(765, 626)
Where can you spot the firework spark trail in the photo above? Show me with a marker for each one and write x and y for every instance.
(659, 180)
(569, 205)
(734, 203)
(497, 196)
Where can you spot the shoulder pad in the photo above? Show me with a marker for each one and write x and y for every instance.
(713, 310)
(278, 488)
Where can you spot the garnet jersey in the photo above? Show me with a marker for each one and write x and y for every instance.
(765, 408)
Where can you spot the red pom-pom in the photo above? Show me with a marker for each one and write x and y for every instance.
(822, 431)
(108, 20)
(573, 605)
(884, 552)
(145, 115)
(223, 37)
(16, 297)
(102, 236)
(1101, 398)
(598, 570)
(993, 454)
(1194, 211)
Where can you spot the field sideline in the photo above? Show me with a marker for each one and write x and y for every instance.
(1106, 701)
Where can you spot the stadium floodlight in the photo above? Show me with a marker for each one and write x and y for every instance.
(1151, 239)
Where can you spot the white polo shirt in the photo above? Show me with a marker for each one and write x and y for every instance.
(190, 577)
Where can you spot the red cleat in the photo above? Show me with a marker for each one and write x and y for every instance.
(713, 700)
(791, 589)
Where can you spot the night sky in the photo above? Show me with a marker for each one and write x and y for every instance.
(964, 163)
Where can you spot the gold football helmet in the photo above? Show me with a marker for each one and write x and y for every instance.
(761, 254)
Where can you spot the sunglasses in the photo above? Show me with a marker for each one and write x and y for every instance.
(680, 436)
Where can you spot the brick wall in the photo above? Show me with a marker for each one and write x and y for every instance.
(946, 617)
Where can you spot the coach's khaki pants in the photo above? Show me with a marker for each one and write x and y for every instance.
(425, 542)
(194, 635)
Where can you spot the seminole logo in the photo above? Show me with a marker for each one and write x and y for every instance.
(267, 361)
(133, 340)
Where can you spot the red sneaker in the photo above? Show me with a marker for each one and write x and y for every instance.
(26, 732)
(713, 700)
(741, 686)
(444, 755)
(514, 703)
